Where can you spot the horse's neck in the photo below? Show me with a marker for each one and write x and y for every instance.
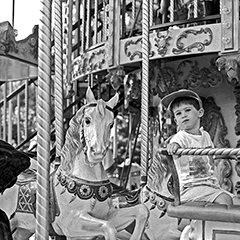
(83, 170)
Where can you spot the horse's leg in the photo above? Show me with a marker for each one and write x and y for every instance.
(125, 216)
(84, 226)
(21, 234)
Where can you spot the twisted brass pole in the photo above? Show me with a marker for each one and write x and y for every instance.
(43, 121)
(145, 91)
(58, 88)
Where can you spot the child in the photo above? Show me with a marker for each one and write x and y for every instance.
(196, 174)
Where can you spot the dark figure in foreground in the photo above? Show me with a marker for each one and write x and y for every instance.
(12, 163)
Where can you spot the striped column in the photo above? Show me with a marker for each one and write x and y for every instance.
(58, 36)
(145, 90)
(43, 122)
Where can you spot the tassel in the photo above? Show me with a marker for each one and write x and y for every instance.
(153, 206)
(93, 203)
(147, 198)
(72, 198)
(163, 213)
(63, 190)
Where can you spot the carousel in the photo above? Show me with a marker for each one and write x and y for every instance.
(80, 108)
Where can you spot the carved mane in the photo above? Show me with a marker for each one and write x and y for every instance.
(159, 174)
(72, 141)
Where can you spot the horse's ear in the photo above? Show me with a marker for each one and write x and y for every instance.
(113, 101)
(89, 96)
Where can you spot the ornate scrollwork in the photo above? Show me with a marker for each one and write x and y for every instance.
(79, 66)
(237, 188)
(214, 123)
(237, 112)
(98, 64)
(115, 77)
(162, 43)
(199, 45)
(237, 168)
(162, 79)
(230, 64)
(7, 38)
(136, 53)
(26, 49)
(84, 64)
(224, 171)
(205, 77)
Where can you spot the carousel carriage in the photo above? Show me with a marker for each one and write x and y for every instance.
(93, 190)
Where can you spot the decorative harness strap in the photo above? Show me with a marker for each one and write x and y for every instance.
(101, 190)
(160, 195)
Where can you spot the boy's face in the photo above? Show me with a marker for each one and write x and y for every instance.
(187, 117)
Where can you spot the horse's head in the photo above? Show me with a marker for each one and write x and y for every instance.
(89, 131)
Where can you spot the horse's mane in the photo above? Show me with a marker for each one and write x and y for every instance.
(158, 173)
(73, 143)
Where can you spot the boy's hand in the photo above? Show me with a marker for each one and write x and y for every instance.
(172, 148)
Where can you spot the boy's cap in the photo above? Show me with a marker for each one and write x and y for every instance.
(167, 100)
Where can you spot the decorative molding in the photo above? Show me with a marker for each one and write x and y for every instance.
(224, 172)
(237, 168)
(214, 123)
(8, 42)
(230, 64)
(237, 188)
(98, 64)
(26, 49)
(132, 55)
(88, 63)
(200, 46)
(162, 43)
(162, 79)
(115, 77)
(237, 112)
(79, 66)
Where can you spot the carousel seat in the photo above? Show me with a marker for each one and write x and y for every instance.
(205, 211)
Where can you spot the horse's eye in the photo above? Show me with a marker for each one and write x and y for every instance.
(87, 121)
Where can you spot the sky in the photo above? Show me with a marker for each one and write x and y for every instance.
(27, 14)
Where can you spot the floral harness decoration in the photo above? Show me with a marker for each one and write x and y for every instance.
(86, 189)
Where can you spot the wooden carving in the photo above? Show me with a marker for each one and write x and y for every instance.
(25, 49)
(213, 122)
(230, 65)
(197, 77)
(200, 46)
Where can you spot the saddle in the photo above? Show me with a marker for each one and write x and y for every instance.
(27, 198)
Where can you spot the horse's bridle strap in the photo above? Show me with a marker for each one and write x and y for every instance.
(95, 104)
(160, 195)
(86, 189)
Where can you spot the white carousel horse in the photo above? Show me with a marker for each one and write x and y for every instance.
(81, 185)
